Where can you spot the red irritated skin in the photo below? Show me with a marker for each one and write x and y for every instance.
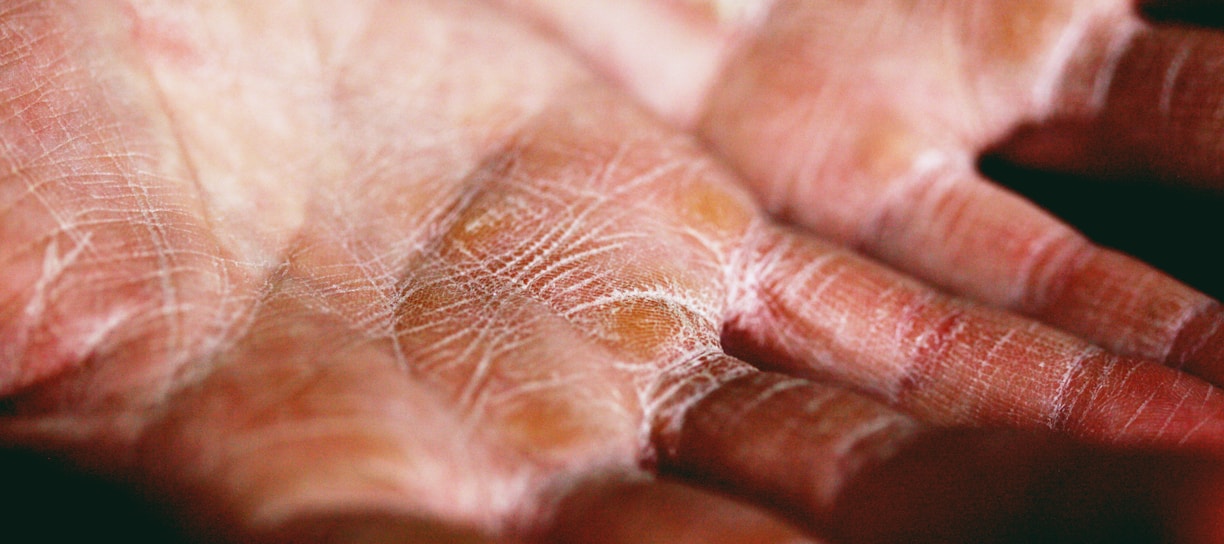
(406, 271)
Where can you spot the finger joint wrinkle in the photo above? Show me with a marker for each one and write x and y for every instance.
(763, 284)
(1081, 28)
(933, 344)
(1198, 345)
(1172, 75)
(929, 184)
(682, 384)
(1116, 50)
(1049, 266)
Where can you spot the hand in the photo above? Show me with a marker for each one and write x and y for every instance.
(405, 270)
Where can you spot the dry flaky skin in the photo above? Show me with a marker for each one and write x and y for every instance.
(404, 270)
(862, 120)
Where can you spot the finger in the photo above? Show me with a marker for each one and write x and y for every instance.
(980, 241)
(854, 470)
(881, 159)
(804, 448)
(787, 440)
(966, 486)
(1147, 113)
(808, 449)
(1163, 225)
(627, 509)
(829, 313)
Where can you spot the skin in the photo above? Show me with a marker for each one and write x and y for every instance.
(1086, 87)
(415, 271)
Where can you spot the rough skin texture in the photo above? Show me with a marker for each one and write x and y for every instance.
(427, 271)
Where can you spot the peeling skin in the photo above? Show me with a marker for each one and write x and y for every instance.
(862, 122)
(308, 269)
(400, 279)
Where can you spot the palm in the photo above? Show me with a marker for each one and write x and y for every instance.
(404, 267)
